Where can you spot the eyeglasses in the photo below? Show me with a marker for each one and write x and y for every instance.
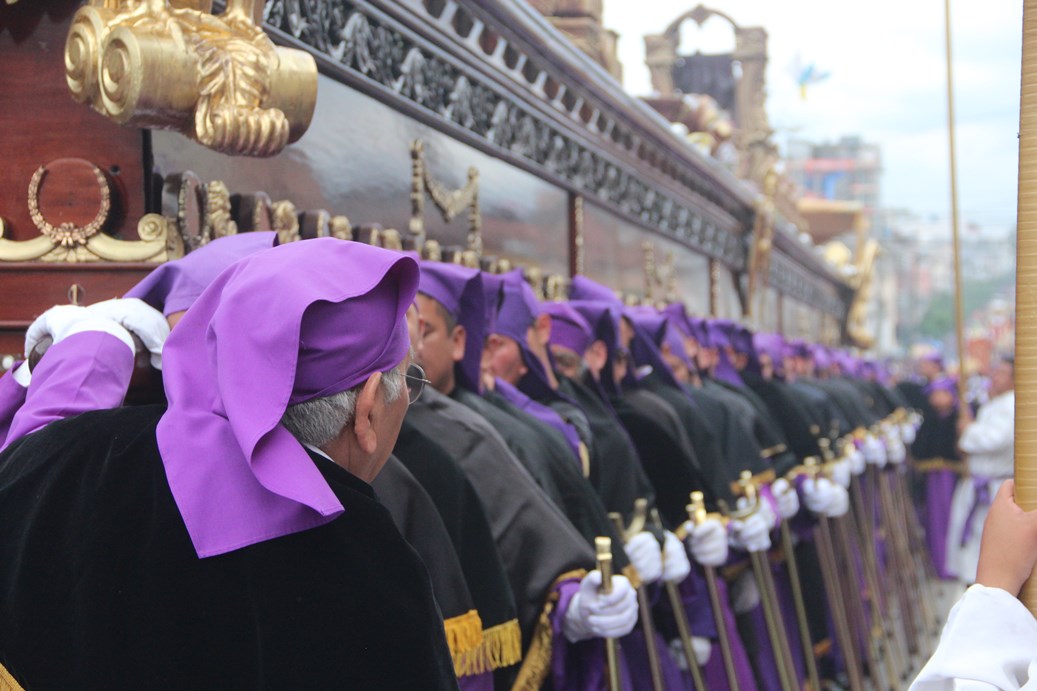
(416, 382)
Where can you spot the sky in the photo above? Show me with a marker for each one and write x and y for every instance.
(887, 84)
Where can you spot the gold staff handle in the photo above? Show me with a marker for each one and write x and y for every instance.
(603, 549)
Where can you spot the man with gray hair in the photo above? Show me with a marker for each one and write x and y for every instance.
(233, 539)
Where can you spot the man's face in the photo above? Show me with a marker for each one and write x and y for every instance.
(567, 361)
(766, 366)
(441, 346)
(930, 369)
(1002, 379)
(505, 358)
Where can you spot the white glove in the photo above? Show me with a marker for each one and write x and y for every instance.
(764, 510)
(645, 555)
(751, 534)
(708, 542)
(895, 450)
(840, 503)
(785, 495)
(907, 433)
(700, 646)
(841, 473)
(818, 494)
(592, 614)
(874, 451)
(676, 566)
(140, 318)
(857, 461)
(62, 321)
(745, 595)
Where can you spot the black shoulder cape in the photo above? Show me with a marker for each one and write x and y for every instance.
(100, 586)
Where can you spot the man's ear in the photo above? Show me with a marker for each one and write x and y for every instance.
(366, 436)
(458, 337)
(542, 327)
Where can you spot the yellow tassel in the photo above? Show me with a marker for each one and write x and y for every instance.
(7, 682)
(463, 634)
(501, 647)
(537, 662)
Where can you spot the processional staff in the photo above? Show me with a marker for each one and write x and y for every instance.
(1026, 295)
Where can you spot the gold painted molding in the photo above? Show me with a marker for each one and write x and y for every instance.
(171, 64)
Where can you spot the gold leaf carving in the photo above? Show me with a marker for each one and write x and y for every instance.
(217, 79)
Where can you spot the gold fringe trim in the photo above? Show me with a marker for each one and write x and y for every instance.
(7, 682)
(501, 646)
(463, 634)
(932, 465)
(537, 662)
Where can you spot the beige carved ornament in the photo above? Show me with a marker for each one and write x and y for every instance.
(660, 277)
(762, 244)
(857, 317)
(68, 242)
(171, 64)
(449, 202)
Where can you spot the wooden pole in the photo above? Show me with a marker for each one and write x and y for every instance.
(959, 310)
(1026, 296)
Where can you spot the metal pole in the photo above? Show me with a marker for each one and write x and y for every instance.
(801, 610)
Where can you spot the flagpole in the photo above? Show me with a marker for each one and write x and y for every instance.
(1026, 279)
(959, 311)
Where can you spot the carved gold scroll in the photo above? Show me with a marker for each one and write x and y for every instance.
(166, 64)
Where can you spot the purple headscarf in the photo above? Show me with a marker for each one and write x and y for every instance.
(949, 384)
(649, 333)
(175, 285)
(459, 290)
(603, 318)
(282, 326)
(821, 356)
(583, 288)
(568, 327)
(774, 346)
(720, 334)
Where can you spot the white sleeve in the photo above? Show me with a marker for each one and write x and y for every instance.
(989, 642)
(992, 432)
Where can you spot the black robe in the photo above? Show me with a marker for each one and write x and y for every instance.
(100, 586)
(616, 471)
(536, 543)
(714, 468)
(465, 520)
(546, 455)
(418, 521)
(665, 451)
